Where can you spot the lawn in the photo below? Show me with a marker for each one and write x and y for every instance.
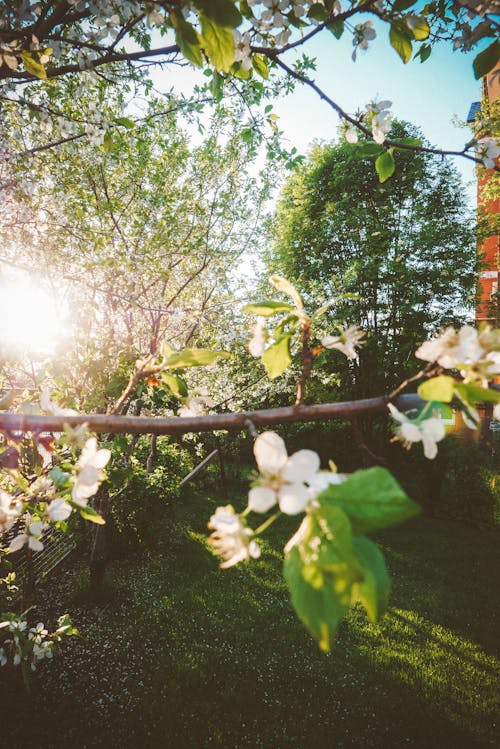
(180, 654)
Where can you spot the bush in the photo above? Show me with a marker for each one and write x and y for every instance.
(140, 501)
(470, 489)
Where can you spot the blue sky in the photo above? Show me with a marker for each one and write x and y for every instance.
(430, 95)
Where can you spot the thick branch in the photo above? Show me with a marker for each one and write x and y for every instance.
(101, 423)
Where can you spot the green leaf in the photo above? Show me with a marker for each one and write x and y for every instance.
(126, 122)
(373, 591)
(281, 284)
(187, 38)
(336, 28)
(88, 513)
(438, 389)
(218, 43)
(420, 29)
(372, 499)
(385, 166)
(176, 384)
(33, 66)
(487, 59)
(369, 149)
(266, 309)
(400, 40)
(317, 12)
(108, 143)
(260, 66)
(424, 52)
(222, 12)
(318, 607)
(60, 478)
(400, 5)
(277, 357)
(194, 357)
(476, 394)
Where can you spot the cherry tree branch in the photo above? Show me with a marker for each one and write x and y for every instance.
(359, 125)
(108, 423)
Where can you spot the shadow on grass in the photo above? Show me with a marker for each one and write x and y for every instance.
(185, 655)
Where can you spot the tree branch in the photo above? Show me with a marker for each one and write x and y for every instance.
(104, 423)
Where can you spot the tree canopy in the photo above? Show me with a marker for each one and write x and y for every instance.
(403, 252)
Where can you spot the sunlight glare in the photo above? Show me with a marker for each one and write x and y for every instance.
(30, 322)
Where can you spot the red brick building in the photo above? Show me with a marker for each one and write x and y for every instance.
(490, 247)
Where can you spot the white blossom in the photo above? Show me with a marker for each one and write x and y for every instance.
(230, 538)
(476, 355)
(488, 150)
(364, 33)
(58, 509)
(33, 529)
(196, 404)
(428, 431)
(283, 480)
(9, 511)
(90, 465)
(50, 407)
(38, 633)
(349, 339)
(258, 341)
(351, 134)
(242, 51)
(381, 119)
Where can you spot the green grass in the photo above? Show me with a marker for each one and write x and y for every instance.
(181, 654)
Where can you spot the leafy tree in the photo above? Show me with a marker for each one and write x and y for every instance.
(403, 252)
(143, 228)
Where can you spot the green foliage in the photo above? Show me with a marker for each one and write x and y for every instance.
(329, 565)
(397, 257)
(276, 358)
(470, 486)
(372, 499)
(140, 501)
(487, 59)
(439, 388)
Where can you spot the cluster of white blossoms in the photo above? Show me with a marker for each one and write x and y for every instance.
(475, 353)
(380, 119)
(273, 24)
(22, 645)
(347, 342)
(427, 431)
(197, 403)
(291, 482)
(41, 504)
(231, 539)
(364, 33)
(488, 150)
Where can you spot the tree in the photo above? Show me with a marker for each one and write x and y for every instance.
(56, 38)
(142, 227)
(403, 251)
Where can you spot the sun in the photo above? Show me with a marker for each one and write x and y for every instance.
(31, 320)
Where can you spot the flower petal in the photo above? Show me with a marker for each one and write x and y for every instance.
(270, 452)
(411, 432)
(18, 542)
(293, 498)
(301, 466)
(433, 429)
(261, 499)
(430, 448)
